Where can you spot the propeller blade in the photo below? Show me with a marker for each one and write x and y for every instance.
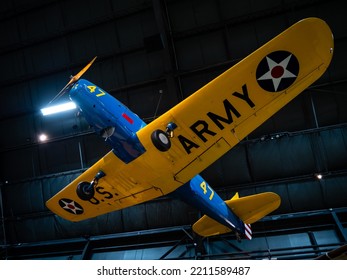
(73, 80)
(61, 93)
(80, 73)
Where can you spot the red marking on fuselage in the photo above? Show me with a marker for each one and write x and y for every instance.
(130, 120)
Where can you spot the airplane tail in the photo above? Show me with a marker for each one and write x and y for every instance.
(248, 209)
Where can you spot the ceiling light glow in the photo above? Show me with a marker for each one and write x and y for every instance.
(58, 108)
(43, 137)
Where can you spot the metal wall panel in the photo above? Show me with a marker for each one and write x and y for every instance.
(339, 60)
(93, 148)
(289, 157)
(109, 74)
(54, 22)
(191, 82)
(242, 40)
(193, 52)
(76, 13)
(301, 193)
(335, 191)
(131, 30)
(15, 66)
(233, 168)
(58, 157)
(264, 33)
(24, 198)
(53, 54)
(82, 46)
(6, 31)
(331, 12)
(30, 25)
(149, 102)
(18, 131)
(106, 45)
(334, 148)
(230, 9)
(136, 68)
(126, 5)
(181, 15)
(17, 100)
(17, 164)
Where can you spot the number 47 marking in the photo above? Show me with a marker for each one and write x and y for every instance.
(205, 187)
(93, 88)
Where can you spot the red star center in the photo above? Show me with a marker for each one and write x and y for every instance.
(277, 71)
(71, 206)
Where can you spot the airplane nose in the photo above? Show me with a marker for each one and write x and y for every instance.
(75, 90)
(79, 94)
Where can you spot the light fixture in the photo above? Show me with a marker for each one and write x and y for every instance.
(319, 176)
(43, 137)
(58, 108)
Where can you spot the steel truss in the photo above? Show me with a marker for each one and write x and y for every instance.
(181, 243)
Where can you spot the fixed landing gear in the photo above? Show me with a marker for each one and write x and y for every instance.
(238, 237)
(86, 190)
(161, 139)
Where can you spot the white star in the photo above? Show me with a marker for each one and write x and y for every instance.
(277, 71)
(71, 206)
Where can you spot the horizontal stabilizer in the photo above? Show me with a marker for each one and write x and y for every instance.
(254, 207)
(249, 209)
(207, 226)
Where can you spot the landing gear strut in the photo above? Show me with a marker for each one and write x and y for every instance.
(85, 190)
(238, 236)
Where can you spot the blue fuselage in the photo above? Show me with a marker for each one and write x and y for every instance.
(110, 118)
(198, 193)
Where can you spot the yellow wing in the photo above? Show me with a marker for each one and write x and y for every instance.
(216, 117)
(122, 186)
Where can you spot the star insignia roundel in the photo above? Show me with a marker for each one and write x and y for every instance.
(71, 206)
(277, 71)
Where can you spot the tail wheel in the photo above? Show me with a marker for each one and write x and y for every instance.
(161, 140)
(85, 191)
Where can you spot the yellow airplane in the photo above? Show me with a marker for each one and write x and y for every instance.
(167, 155)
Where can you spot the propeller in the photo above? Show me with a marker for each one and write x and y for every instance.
(73, 80)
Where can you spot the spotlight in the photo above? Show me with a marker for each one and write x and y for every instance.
(319, 176)
(43, 137)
